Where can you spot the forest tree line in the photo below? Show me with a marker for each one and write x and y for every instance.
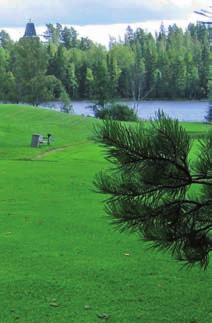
(172, 65)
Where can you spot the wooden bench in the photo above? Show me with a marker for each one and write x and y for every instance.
(38, 139)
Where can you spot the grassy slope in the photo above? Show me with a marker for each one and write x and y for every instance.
(57, 246)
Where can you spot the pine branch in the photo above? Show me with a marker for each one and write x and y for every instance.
(202, 182)
(112, 135)
(148, 189)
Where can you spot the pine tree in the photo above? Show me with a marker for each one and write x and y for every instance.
(150, 185)
(114, 74)
(101, 83)
(209, 114)
(89, 83)
(30, 61)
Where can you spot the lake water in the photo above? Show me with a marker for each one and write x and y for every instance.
(182, 110)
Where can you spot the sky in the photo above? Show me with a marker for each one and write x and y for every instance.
(97, 19)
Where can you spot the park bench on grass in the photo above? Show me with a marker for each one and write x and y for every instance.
(38, 139)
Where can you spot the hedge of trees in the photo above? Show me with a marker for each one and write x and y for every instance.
(173, 64)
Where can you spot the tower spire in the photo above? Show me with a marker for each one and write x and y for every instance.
(30, 30)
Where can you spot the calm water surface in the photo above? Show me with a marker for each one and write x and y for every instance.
(182, 110)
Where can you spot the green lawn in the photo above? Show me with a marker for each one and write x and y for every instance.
(61, 260)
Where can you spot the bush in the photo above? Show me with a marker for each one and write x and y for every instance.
(120, 112)
(209, 114)
(66, 102)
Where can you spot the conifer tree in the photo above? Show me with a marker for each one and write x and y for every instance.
(209, 114)
(155, 190)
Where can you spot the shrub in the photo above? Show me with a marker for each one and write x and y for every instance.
(120, 112)
(66, 103)
(209, 114)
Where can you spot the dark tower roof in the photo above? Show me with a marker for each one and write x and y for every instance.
(30, 30)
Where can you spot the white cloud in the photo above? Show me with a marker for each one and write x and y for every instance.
(83, 12)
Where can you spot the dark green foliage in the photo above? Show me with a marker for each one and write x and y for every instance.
(154, 190)
(45, 88)
(5, 40)
(174, 64)
(30, 63)
(53, 33)
(119, 112)
(69, 37)
(67, 106)
(102, 81)
(30, 81)
(209, 114)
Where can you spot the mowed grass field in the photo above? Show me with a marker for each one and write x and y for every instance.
(60, 259)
